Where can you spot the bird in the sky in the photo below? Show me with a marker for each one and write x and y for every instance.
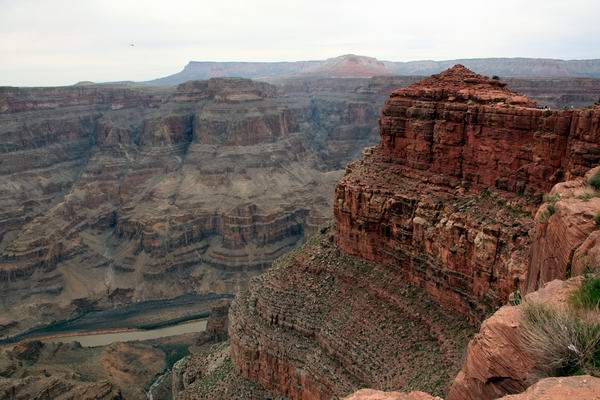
(131, 44)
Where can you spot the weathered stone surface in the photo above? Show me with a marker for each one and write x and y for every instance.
(564, 241)
(573, 388)
(370, 394)
(496, 363)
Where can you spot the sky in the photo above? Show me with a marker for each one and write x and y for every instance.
(61, 42)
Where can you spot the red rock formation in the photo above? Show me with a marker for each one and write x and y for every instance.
(445, 202)
(412, 201)
(369, 394)
(573, 387)
(319, 325)
(496, 363)
(565, 235)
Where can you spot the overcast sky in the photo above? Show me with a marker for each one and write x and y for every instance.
(57, 42)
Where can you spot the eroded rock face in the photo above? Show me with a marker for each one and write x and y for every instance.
(319, 325)
(496, 363)
(420, 201)
(572, 387)
(369, 394)
(120, 194)
(565, 237)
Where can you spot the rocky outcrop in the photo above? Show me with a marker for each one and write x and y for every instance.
(209, 375)
(41, 388)
(369, 394)
(572, 387)
(447, 195)
(496, 363)
(565, 234)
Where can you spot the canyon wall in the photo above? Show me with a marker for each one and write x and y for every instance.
(443, 209)
(447, 197)
(114, 194)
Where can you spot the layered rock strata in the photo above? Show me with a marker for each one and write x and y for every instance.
(319, 324)
(445, 204)
(114, 194)
(415, 201)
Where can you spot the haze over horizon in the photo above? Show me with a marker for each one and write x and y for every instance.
(63, 42)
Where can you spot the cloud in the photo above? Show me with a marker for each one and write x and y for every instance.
(62, 42)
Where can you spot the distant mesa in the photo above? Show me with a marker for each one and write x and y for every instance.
(349, 65)
(358, 66)
(85, 83)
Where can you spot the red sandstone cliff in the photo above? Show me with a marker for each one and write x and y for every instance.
(447, 195)
(446, 203)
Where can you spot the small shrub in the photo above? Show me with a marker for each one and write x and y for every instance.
(586, 197)
(551, 198)
(544, 215)
(588, 294)
(595, 181)
(561, 342)
(496, 77)
(597, 220)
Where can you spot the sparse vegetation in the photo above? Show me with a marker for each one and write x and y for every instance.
(586, 196)
(595, 181)
(562, 342)
(173, 353)
(551, 200)
(588, 294)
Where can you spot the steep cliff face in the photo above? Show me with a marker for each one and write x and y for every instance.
(447, 195)
(443, 207)
(152, 193)
(565, 236)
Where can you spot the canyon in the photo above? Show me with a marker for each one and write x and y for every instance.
(122, 194)
(119, 194)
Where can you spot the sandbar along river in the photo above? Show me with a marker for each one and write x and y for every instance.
(106, 338)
